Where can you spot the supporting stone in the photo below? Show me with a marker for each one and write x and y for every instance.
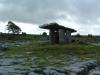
(51, 36)
(68, 36)
(54, 36)
(62, 36)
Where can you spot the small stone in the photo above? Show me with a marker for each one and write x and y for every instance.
(32, 73)
(95, 73)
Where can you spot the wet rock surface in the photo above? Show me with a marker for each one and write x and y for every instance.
(95, 71)
(6, 45)
(18, 66)
(81, 68)
(21, 65)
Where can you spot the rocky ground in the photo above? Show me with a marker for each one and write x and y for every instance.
(21, 65)
(18, 66)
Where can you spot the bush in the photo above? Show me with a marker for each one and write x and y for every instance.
(78, 35)
(90, 35)
(24, 33)
(44, 34)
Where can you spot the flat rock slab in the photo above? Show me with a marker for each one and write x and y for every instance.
(95, 73)
(16, 66)
(11, 61)
(81, 68)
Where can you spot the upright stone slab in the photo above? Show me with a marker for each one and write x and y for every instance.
(68, 36)
(51, 38)
(54, 36)
(62, 36)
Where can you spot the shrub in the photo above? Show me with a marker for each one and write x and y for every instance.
(78, 35)
(90, 35)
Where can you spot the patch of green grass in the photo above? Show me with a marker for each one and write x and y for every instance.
(19, 37)
(56, 50)
(92, 39)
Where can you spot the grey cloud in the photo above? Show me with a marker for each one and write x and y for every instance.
(41, 11)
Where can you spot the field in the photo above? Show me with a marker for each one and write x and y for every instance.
(89, 39)
(57, 54)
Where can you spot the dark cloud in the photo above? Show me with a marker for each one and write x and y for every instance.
(85, 12)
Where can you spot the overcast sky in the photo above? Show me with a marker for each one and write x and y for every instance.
(82, 15)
